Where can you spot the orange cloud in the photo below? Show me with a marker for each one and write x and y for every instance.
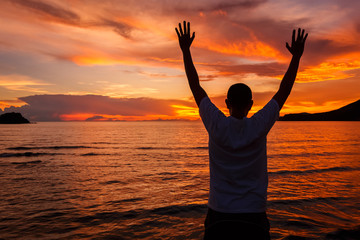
(89, 60)
(16, 82)
(89, 56)
(167, 60)
(10, 104)
(312, 107)
(328, 71)
(245, 48)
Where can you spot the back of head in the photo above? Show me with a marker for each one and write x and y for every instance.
(239, 95)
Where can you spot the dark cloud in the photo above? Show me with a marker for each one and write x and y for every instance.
(233, 5)
(56, 12)
(319, 50)
(210, 6)
(261, 69)
(65, 16)
(51, 107)
(357, 26)
(275, 33)
(120, 28)
(97, 117)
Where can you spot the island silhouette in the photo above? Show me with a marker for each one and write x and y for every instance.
(12, 118)
(350, 112)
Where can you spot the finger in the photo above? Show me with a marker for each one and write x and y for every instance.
(192, 37)
(188, 27)
(302, 34)
(298, 35)
(305, 38)
(181, 31)
(288, 47)
(177, 32)
(184, 27)
(293, 36)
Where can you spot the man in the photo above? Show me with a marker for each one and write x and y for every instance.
(237, 148)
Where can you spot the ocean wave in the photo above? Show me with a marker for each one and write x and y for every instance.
(309, 154)
(103, 143)
(29, 162)
(304, 200)
(310, 171)
(113, 182)
(167, 173)
(94, 154)
(179, 209)
(168, 210)
(154, 148)
(130, 200)
(24, 179)
(170, 148)
(300, 223)
(100, 217)
(48, 147)
(26, 154)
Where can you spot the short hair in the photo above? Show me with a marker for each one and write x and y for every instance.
(239, 95)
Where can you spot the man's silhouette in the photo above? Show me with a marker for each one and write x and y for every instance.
(237, 148)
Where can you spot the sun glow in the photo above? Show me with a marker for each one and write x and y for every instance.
(190, 113)
(181, 112)
(106, 117)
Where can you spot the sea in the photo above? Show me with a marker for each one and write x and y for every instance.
(150, 180)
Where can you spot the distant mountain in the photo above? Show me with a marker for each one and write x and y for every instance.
(12, 118)
(349, 112)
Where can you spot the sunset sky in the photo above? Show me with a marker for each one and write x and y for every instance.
(120, 60)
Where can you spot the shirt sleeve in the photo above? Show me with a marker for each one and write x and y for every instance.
(210, 115)
(265, 118)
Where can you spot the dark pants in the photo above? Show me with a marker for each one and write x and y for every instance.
(231, 226)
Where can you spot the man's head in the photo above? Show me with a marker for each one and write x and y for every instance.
(239, 100)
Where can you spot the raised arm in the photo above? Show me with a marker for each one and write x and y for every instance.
(296, 49)
(185, 42)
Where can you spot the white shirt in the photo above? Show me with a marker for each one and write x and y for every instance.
(237, 156)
